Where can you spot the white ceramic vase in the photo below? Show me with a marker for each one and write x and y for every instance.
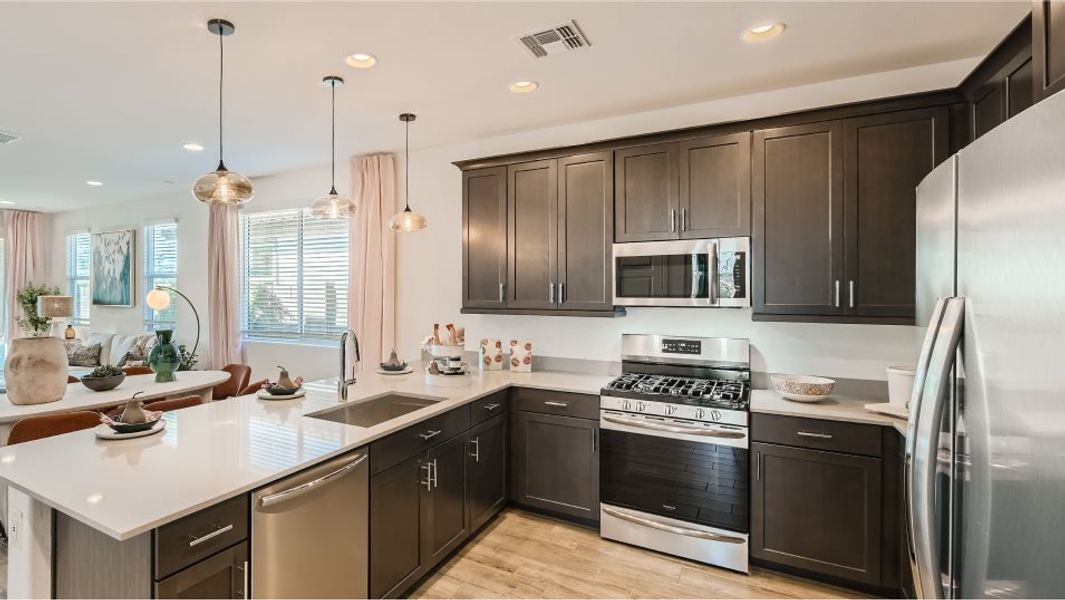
(36, 370)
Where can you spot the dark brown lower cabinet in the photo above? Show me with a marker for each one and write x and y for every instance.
(817, 510)
(556, 464)
(224, 575)
(444, 524)
(395, 527)
(486, 470)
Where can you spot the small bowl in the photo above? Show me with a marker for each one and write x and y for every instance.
(393, 368)
(803, 388)
(102, 384)
(275, 390)
(132, 427)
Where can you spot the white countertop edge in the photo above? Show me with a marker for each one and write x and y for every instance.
(834, 408)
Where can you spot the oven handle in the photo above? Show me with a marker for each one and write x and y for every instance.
(720, 433)
(696, 533)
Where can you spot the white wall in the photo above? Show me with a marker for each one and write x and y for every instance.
(429, 262)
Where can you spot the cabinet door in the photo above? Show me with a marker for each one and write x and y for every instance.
(224, 575)
(1048, 46)
(557, 464)
(484, 237)
(486, 466)
(585, 231)
(444, 524)
(395, 527)
(646, 200)
(532, 193)
(989, 107)
(715, 186)
(817, 510)
(886, 156)
(797, 230)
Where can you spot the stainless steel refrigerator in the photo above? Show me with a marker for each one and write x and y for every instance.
(985, 456)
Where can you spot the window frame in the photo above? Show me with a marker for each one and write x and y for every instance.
(72, 277)
(151, 320)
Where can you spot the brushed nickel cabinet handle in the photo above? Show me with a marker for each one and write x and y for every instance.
(502, 291)
(850, 284)
(492, 406)
(837, 294)
(558, 404)
(429, 435)
(814, 434)
(196, 541)
(551, 292)
(476, 449)
(561, 292)
(685, 223)
(672, 220)
(436, 472)
(428, 483)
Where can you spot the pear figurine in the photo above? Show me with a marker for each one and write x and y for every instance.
(134, 411)
(283, 380)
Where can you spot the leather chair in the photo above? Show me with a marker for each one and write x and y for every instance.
(238, 380)
(174, 403)
(35, 428)
(72, 379)
(253, 387)
(137, 370)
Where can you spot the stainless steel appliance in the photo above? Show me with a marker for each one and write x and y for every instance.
(709, 272)
(309, 532)
(986, 439)
(673, 471)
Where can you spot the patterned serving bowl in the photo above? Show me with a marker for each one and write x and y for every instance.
(802, 388)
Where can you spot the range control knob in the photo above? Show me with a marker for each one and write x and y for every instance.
(640, 406)
(715, 415)
(670, 409)
(700, 413)
(626, 405)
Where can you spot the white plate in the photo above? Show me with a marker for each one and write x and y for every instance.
(801, 397)
(104, 432)
(265, 395)
(405, 371)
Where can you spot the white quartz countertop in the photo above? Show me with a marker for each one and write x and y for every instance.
(833, 408)
(215, 451)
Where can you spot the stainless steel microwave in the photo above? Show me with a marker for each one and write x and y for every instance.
(707, 272)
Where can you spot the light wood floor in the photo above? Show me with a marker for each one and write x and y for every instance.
(524, 555)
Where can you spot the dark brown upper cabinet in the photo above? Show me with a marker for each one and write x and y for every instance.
(484, 237)
(585, 231)
(1048, 47)
(532, 228)
(797, 230)
(1001, 86)
(885, 157)
(646, 196)
(715, 186)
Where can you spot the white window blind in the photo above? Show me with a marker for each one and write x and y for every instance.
(295, 276)
(79, 264)
(160, 268)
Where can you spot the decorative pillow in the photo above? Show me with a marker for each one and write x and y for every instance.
(82, 355)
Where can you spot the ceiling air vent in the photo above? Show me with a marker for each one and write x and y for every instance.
(6, 137)
(556, 40)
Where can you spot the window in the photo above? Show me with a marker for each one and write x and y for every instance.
(294, 284)
(160, 268)
(79, 263)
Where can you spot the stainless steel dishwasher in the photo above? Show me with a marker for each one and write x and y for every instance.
(310, 534)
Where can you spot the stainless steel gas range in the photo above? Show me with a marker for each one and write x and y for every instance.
(673, 468)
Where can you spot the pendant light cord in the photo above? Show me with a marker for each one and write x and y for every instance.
(333, 142)
(221, 73)
(406, 165)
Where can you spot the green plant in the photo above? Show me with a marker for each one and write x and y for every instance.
(27, 299)
(105, 371)
(188, 359)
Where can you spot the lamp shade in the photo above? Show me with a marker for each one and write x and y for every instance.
(55, 307)
(158, 299)
(223, 187)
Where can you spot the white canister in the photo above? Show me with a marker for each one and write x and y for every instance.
(491, 355)
(900, 385)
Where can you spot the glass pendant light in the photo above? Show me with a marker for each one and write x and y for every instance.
(407, 220)
(222, 186)
(333, 205)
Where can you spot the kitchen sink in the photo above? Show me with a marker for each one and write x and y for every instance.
(367, 413)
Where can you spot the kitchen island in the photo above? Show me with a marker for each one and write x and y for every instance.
(207, 455)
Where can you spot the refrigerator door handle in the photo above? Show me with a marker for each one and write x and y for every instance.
(922, 442)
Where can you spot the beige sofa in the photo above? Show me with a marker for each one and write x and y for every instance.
(114, 346)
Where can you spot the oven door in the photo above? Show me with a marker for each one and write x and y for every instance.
(710, 272)
(686, 470)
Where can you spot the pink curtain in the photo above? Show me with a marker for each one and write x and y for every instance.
(371, 271)
(23, 262)
(223, 273)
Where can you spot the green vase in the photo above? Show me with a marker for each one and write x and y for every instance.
(164, 357)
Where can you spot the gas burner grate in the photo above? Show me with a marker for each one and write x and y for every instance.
(688, 388)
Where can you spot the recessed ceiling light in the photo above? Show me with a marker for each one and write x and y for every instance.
(191, 147)
(361, 60)
(523, 87)
(6, 202)
(763, 32)
(93, 182)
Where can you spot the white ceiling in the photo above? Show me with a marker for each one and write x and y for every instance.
(110, 91)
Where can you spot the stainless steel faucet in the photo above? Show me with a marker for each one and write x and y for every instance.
(345, 381)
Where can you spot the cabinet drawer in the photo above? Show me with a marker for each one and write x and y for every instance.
(817, 434)
(485, 408)
(224, 575)
(394, 449)
(199, 535)
(566, 404)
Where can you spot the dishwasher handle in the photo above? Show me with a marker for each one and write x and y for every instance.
(303, 488)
